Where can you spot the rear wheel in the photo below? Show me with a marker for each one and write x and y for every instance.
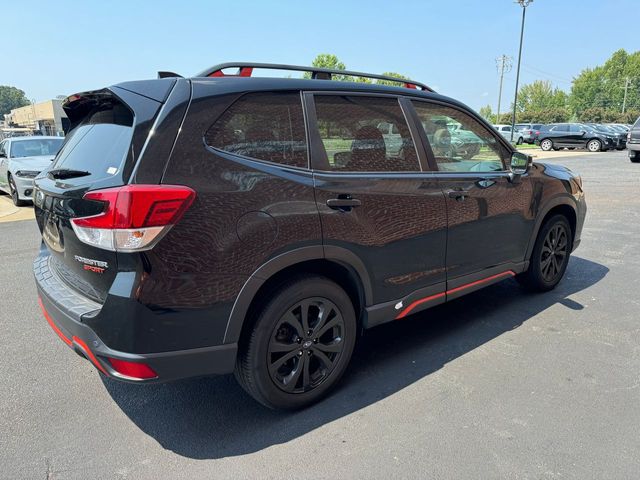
(519, 141)
(550, 255)
(300, 344)
(594, 145)
(546, 144)
(14, 193)
(634, 157)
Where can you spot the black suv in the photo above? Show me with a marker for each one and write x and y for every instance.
(574, 135)
(227, 223)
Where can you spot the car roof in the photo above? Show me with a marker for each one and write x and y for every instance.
(32, 137)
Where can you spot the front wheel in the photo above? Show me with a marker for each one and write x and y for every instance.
(550, 255)
(14, 194)
(519, 141)
(300, 344)
(594, 145)
(546, 145)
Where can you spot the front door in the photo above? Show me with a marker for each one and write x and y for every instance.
(373, 197)
(489, 215)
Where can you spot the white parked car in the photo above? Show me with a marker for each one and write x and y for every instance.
(505, 131)
(21, 160)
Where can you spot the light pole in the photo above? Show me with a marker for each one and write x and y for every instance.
(524, 4)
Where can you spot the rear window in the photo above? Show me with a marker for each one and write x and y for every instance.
(264, 126)
(637, 124)
(100, 143)
(36, 147)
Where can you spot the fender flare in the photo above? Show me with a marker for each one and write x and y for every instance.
(278, 263)
(553, 202)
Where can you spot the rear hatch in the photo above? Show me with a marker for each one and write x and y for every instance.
(109, 130)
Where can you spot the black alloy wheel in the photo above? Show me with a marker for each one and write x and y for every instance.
(550, 255)
(298, 343)
(554, 252)
(306, 345)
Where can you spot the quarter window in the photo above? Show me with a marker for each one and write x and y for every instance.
(264, 126)
(365, 134)
(459, 142)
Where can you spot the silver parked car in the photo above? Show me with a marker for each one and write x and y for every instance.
(505, 131)
(21, 160)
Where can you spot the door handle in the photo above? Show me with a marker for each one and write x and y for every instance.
(343, 204)
(458, 194)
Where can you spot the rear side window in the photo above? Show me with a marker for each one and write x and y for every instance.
(264, 126)
(365, 134)
(100, 143)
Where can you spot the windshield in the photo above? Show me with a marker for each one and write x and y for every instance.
(35, 148)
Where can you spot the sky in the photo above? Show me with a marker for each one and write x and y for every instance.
(62, 47)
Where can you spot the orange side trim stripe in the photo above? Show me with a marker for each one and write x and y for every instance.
(55, 328)
(478, 282)
(92, 357)
(408, 310)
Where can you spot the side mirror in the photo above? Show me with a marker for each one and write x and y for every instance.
(520, 163)
(3, 155)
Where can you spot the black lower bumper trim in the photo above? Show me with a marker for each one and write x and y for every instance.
(174, 365)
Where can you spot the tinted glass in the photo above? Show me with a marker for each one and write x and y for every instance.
(100, 143)
(365, 134)
(264, 126)
(36, 147)
(459, 142)
(575, 128)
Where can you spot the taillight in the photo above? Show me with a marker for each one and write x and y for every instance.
(135, 217)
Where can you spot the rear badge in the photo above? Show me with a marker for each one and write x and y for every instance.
(92, 265)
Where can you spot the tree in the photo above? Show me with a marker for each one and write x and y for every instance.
(10, 98)
(328, 60)
(486, 113)
(540, 95)
(399, 76)
(604, 86)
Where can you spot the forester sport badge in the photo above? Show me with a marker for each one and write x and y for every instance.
(92, 265)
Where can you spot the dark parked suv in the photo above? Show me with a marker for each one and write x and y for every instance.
(222, 223)
(574, 135)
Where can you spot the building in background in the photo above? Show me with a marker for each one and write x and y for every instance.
(44, 118)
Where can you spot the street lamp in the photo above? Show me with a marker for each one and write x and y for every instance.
(524, 4)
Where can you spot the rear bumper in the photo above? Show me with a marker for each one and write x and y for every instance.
(63, 309)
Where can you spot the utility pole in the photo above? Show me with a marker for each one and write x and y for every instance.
(627, 84)
(524, 4)
(503, 64)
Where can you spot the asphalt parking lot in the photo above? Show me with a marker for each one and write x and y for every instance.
(498, 384)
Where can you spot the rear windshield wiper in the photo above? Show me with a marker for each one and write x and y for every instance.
(63, 173)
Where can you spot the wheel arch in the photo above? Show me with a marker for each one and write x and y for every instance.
(564, 205)
(338, 264)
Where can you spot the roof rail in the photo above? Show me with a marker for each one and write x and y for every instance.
(245, 69)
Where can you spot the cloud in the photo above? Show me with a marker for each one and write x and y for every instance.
(484, 94)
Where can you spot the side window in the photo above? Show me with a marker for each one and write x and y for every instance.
(459, 142)
(2, 144)
(264, 126)
(365, 134)
(575, 128)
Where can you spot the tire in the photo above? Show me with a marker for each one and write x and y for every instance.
(594, 145)
(546, 144)
(635, 158)
(14, 194)
(313, 363)
(543, 274)
(519, 141)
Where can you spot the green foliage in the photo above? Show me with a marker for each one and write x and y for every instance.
(603, 115)
(540, 95)
(10, 98)
(328, 60)
(486, 113)
(603, 86)
(389, 82)
(544, 115)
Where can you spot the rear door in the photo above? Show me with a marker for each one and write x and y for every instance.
(373, 197)
(100, 152)
(489, 216)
